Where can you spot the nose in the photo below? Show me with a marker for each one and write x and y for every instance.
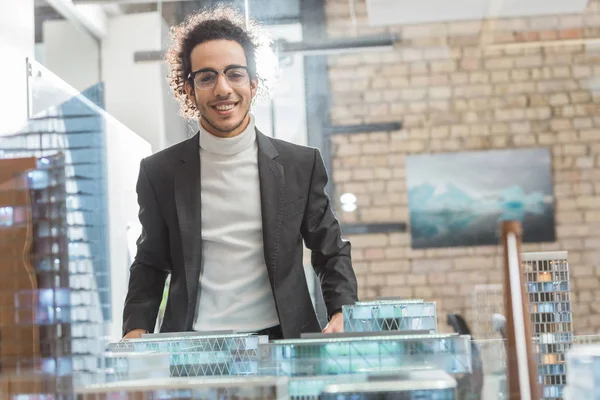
(222, 88)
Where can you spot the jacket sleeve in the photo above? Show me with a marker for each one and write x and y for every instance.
(152, 262)
(330, 254)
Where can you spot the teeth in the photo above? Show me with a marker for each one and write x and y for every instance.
(225, 108)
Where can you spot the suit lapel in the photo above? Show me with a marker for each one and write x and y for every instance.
(189, 215)
(272, 183)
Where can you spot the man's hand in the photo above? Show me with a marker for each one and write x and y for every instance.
(135, 334)
(336, 324)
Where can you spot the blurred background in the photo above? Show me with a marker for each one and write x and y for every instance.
(436, 121)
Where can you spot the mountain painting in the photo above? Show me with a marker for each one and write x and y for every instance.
(460, 199)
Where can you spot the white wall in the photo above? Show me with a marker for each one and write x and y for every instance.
(70, 54)
(16, 43)
(134, 90)
(176, 127)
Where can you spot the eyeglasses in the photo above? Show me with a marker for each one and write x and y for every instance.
(205, 79)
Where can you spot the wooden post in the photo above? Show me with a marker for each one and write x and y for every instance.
(521, 366)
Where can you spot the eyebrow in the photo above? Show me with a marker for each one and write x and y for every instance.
(226, 68)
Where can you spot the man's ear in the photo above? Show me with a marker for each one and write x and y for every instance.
(253, 87)
(189, 90)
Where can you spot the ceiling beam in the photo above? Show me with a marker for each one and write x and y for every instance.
(309, 48)
(88, 18)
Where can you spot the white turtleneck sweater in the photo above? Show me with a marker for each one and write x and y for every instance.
(235, 293)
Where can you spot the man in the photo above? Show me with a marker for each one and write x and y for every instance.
(225, 212)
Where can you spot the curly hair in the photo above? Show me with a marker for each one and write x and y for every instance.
(219, 22)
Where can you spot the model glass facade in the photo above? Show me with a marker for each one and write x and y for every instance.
(202, 355)
(332, 356)
(547, 283)
(390, 315)
(222, 388)
(413, 385)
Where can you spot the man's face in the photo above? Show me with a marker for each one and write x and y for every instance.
(223, 108)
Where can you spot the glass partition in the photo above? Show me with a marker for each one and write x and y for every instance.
(64, 195)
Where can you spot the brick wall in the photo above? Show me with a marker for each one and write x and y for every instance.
(456, 86)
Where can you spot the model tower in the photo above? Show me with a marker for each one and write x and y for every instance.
(547, 283)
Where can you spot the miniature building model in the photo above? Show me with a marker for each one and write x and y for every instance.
(547, 285)
(34, 327)
(51, 324)
(200, 354)
(487, 300)
(412, 385)
(390, 315)
(18, 344)
(222, 388)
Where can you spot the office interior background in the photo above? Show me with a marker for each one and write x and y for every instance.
(435, 119)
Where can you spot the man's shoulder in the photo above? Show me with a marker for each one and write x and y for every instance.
(293, 150)
(168, 155)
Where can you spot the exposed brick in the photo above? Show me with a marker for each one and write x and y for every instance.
(405, 292)
(570, 217)
(499, 141)
(582, 71)
(366, 294)
(471, 263)
(524, 140)
(347, 149)
(587, 283)
(470, 64)
(529, 61)
(399, 238)
(454, 94)
(363, 174)
(559, 99)
(592, 243)
(589, 135)
(375, 280)
(559, 124)
(571, 231)
(574, 149)
(371, 240)
(395, 279)
(436, 278)
(580, 97)
(592, 216)
(427, 266)
(500, 76)
(342, 175)
(583, 271)
(396, 266)
(374, 254)
(415, 280)
(443, 66)
(584, 162)
(392, 253)
(376, 214)
(440, 92)
(478, 277)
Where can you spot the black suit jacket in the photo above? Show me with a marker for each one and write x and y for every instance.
(294, 207)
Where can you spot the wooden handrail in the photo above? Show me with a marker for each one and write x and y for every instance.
(522, 370)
